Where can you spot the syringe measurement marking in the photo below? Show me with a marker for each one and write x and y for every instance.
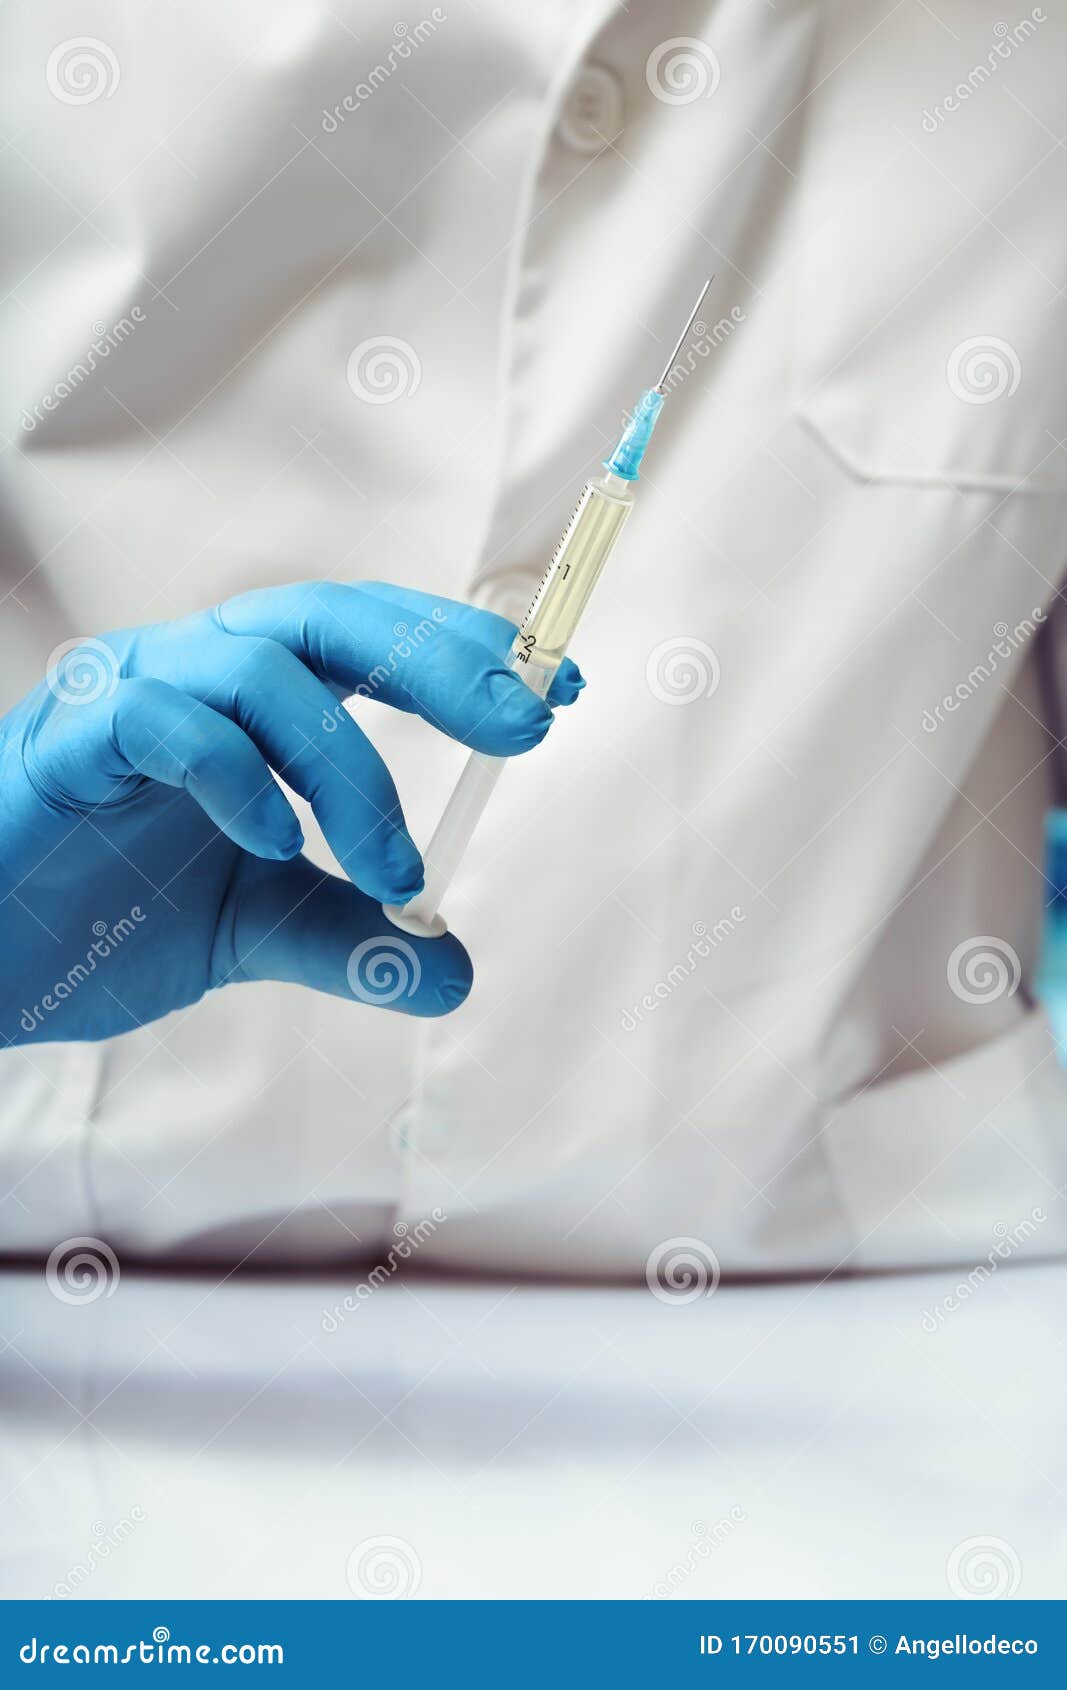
(554, 559)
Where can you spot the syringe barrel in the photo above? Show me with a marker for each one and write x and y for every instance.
(556, 609)
(538, 650)
(452, 835)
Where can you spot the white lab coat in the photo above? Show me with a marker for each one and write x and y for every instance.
(715, 917)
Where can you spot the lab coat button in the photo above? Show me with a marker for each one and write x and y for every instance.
(593, 112)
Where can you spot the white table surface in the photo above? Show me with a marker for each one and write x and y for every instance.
(531, 1440)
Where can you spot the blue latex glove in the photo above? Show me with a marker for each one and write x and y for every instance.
(146, 852)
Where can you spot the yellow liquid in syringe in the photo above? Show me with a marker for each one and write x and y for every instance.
(536, 653)
(548, 626)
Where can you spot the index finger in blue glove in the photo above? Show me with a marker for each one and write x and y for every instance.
(493, 631)
(346, 635)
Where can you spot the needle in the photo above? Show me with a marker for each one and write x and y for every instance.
(683, 337)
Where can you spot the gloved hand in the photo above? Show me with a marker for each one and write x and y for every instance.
(146, 852)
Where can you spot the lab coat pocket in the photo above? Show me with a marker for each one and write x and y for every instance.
(931, 342)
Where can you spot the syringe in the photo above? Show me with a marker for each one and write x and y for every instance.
(542, 640)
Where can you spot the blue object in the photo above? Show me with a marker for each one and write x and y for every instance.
(625, 461)
(147, 854)
(889, 1644)
(1051, 984)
